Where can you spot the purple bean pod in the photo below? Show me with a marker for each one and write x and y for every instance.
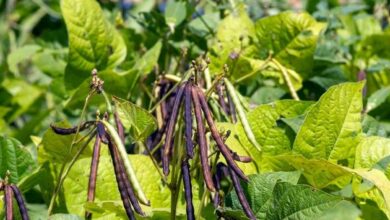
(217, 137)
(170, 130)
(20, 201)
(72, 130)
(221, 98)
(241, 196)
(93, 173)
(232, 109)
(202, 142)
(188, 121)
(120, 180)
(119, 127)
(101, 131)
(8, 202)
(185, 170)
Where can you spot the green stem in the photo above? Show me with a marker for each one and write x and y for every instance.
(64, 173)
(164, 179)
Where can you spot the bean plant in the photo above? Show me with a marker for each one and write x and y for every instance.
(229, 109)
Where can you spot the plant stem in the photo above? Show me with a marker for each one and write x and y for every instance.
(64, 173)
(164, 179)
(262, 67)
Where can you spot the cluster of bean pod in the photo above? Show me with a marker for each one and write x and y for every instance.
(12, 191)
(194, 100)
(106, 134)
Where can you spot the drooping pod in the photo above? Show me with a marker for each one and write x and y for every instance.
(127, 165)
(120, 181)
(19, 199)
(119, 127)
(129, 190)
(185, 171)
(188, 120)
(202, 141)
(72, 130)
(241, 115)
(232, 109)
(93, 172)
(170, 130)
(8, 194)
(221, 98)
(241, 196)
(217, 137)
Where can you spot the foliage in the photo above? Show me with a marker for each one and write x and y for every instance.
(314, 83)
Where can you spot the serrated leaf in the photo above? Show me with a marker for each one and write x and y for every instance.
(93, 42)
(332, 128)
(292, 39)
(15, 159)
(140, 121)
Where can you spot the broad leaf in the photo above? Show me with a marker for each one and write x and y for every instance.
(93, 42)
(259, 191)
(371, 150)
(233, 36)
(318, 172)
(175, 13)
(140, 121)
(291, 37)
(332, 128)
(303, 202)
(15, 159)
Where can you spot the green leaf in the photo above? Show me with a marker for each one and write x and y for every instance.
(377, 98)
(342, 211)
(372, 127)
(332, 128)
(19, 55)
(292, 39)
(259, 190)
(302, 202)
(266, 95)
(370, 151)
(64, 217)
(318, 172)
(378, 189)
(15, 159)
(232, 36)
(175, 13)
(93, 42)
(149, 60)
(140, 121)
(23, 95)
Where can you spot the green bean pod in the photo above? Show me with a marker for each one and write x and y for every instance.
(128, 167)
(241, 114)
